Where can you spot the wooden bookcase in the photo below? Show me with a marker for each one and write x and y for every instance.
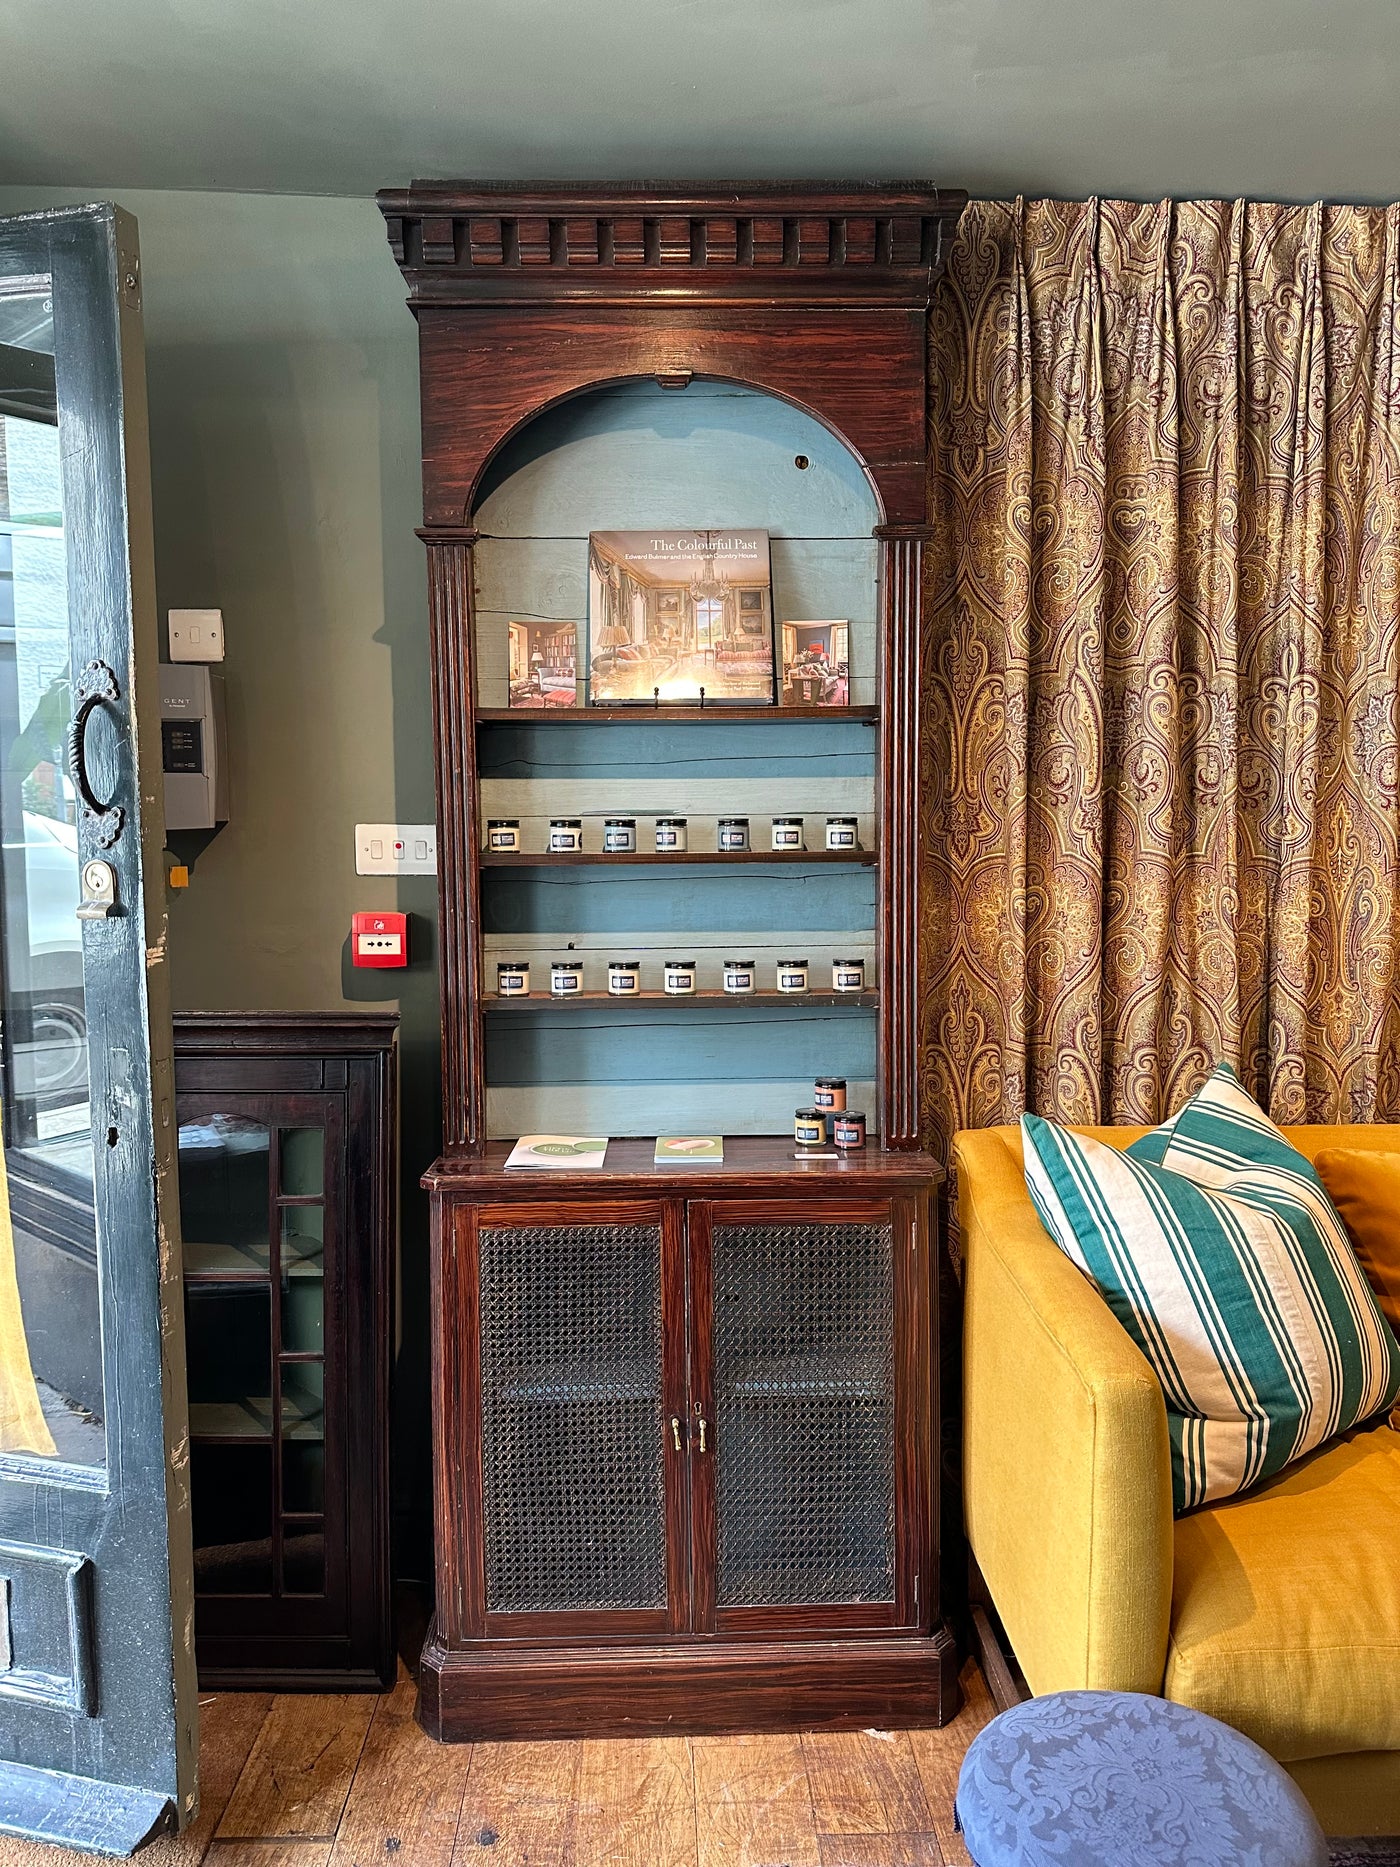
(611, 359)
(288, 1197)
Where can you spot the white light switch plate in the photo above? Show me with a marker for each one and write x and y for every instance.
(196, 634)
(395, 849)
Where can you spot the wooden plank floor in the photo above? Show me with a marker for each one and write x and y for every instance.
(300, 1781)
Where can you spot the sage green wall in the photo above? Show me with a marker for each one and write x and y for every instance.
(283, 390)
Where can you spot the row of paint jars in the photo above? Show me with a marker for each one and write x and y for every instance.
(678, 976)
(672, 835)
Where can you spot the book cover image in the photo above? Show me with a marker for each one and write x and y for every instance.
(563, 1152)
(672, 612)
(543, 664)
(679, 1149)
(816, 664)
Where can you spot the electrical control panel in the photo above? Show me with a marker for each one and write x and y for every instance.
(379, 939)
(192, 747)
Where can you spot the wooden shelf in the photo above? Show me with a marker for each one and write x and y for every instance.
(544, 859)
(536, 1001)
(666, 715)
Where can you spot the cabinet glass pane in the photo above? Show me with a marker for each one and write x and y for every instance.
(224, 1169)
(804, 1413)
(303, 1229)
(303, 1561)
(231, 1499)
(303, 1400)
(303, 1476)
(303, 1315)
(228, 1336)
(572, 1417)
(303, 1162)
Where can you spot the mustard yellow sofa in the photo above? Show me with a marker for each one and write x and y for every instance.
(1278, 1612)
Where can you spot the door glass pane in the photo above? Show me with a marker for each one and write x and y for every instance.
(231, 1497)
(224, 1173)
(804, 1413)
(304, 1162)
(228, 1338)
(50, 1342)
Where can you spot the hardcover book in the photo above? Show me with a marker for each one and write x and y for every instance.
(562, 1152)
(543, 664)
(680, 1149)
(816, 664)
(674, 614)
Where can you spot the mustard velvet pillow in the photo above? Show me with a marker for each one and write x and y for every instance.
(1365, 1188)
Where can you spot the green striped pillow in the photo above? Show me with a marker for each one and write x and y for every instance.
(1215, 1245)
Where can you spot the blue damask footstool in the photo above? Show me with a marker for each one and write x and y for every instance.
(1117, 1779)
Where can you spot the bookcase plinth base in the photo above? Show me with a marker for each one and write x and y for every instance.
(686, 1688)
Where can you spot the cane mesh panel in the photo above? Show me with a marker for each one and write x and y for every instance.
(572, 1418)
(804, 1406)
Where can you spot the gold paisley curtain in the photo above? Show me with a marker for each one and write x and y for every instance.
(1161, 658)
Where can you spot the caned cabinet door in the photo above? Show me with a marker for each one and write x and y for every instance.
(810, 1415)
(565, 1463)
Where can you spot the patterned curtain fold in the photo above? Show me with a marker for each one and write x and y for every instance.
(1161, 663)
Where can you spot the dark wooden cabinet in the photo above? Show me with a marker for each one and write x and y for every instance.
(683, 1421)
(686, 1447)
(287, 1200)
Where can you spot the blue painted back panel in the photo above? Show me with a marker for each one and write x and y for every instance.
(676, 899)
(654, 1044)
(835, 748)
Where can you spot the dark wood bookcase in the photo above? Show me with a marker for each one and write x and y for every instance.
(685, 1419)
(288, 1157)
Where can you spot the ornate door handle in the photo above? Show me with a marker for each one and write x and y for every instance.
(95, 684)
(676, 1430)
(701, 1422)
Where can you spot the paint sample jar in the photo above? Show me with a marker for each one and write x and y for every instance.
(565, 836)
(678, 977)
(843, 833)
(566, 978)
(732, 834)
(848, 975)
(503, 833)
(740, 976)
(513, 978)
(792, 975)
(671, 834)
(809, 1128)
(829, 1093)
(624, 978)
(619, 835)
(787, 833)
(848, 1129)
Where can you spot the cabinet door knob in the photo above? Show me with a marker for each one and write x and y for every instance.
(701, 1422)
(676, 1431)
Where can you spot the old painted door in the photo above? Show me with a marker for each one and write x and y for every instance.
(97, 1700)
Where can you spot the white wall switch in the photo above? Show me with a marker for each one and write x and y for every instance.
(196, 634)
(395, 849)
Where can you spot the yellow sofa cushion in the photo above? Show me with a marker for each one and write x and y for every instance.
(1365, 1188)
(1286, 1604)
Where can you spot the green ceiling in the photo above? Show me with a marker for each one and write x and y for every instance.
(1282, 99)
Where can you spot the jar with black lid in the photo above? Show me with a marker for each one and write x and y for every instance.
(671, 834)
(732, 834)
(619, 835)
(829, 1093)
(566, 977)
(565, 835)
(503, 833)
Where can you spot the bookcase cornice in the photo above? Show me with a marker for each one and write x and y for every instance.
(612, 244)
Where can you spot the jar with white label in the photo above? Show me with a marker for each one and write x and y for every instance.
(787, 833)
(740, 976)
(843, 833)
(678, 977)
(809, 1128)
(671, 834)
(619, 835)
(565, 836)
(624, 978)
(513, 978)
(848, 975)
(792, 975)
(829, 1093)
(566, 978)
(503, 833)
(732, 834)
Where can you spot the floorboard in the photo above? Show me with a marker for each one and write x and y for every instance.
(325, 1781)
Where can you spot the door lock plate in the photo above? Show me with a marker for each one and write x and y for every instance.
(99, 891)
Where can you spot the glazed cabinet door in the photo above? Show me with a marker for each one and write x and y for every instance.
(569, 1356)
(811, 1416)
